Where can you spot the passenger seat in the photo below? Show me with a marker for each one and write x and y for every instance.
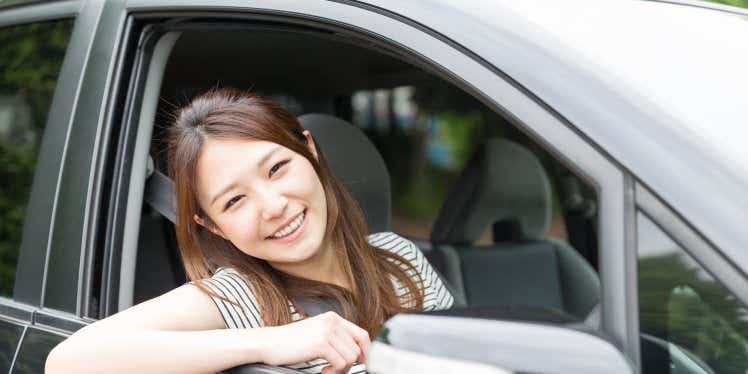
(505, 187)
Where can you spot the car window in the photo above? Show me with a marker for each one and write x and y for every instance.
(429, 133)
(30, 61)
(689, 322)
(426, 134)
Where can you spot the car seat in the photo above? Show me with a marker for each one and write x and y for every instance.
(505, 187)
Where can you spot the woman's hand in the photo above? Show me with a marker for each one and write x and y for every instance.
(327, 336)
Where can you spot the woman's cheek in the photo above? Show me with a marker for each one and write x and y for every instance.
(240, 228)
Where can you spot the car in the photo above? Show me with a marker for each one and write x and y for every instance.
(574, 170)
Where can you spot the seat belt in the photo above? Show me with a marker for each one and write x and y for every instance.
(159, 194)
(312, 306)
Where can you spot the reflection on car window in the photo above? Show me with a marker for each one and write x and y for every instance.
(689, 322)
(30, 61)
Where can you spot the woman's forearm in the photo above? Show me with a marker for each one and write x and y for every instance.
(153, 351)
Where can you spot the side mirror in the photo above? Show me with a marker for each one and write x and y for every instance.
(450, 344)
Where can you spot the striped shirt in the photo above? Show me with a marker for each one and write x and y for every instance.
(231, 284)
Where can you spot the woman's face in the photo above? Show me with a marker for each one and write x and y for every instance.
(266, 199)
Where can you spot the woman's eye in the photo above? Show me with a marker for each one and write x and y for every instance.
(233, 201)
(277, 167)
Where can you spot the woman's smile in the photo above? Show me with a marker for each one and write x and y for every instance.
(291, 230)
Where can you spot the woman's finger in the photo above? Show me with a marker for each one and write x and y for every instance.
(336, 360)
(345, 345)
(360, 335)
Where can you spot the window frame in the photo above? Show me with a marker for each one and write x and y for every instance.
(468, 72)
(21, 308)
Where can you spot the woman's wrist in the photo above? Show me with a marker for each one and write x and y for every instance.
(254, 343)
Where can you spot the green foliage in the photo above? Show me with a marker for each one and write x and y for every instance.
(683, 306)
(458, 132)
(426, 183)
(30, 61)
(422, 198)
(735, 3)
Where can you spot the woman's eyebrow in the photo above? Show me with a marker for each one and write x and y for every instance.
(231, 185)
(221, 192)
(267, 156)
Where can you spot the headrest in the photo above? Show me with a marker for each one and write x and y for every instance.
(356, 162)
(350, 154)
(504, 185)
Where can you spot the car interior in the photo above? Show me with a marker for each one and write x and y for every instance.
(504, 222)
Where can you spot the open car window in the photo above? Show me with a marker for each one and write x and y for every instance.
(438, 144)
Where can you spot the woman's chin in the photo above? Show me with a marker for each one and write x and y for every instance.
(300, 252)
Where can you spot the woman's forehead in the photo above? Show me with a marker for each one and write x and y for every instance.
(220, 149)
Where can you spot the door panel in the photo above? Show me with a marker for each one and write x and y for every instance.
(36, 346)
(10, 333)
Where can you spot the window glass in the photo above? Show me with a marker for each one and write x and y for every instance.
(689, 322)
(30, 60)
(426, 134)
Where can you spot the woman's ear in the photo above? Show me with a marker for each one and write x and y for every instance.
(310, 144)
(212, 228)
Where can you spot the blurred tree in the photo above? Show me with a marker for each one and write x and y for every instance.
(682, 305)
(736, 3)
(30, 59)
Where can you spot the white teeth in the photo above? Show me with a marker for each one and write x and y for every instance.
(290, 228)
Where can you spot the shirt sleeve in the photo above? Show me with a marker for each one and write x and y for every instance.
(435, 293)
(230, 284)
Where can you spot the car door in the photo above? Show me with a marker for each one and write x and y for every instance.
(55, 254)
(423, 45)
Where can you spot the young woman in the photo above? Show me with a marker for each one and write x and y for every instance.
(261, 224)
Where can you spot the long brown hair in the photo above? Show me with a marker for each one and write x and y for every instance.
(232, 114)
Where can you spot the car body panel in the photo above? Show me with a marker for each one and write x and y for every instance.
(10, 335)
(659, 136)
(35, 346)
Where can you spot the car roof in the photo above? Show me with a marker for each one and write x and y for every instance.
(659, 86)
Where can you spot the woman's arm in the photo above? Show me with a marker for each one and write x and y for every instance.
(154, 351)
(183, 332)
(180, 331)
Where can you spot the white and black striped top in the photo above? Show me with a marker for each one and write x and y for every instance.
(231, 284)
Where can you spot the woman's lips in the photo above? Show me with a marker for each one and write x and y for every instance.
(295, 234)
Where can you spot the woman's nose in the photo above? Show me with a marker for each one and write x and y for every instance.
(273, 206)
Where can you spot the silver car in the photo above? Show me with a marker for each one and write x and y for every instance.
(576, 171)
